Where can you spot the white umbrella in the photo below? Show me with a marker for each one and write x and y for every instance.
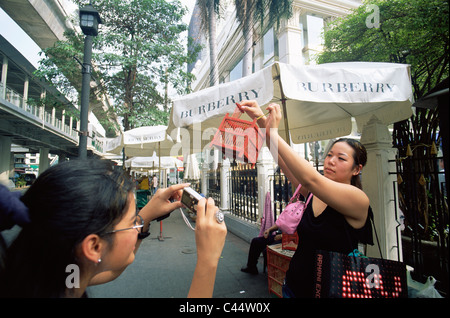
(192, 171)
(164, 162)
(318, 101)
(142, 141)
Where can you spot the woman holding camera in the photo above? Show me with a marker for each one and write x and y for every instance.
(82, 214)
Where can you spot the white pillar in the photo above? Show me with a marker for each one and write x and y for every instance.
(290, 39)
(42, 108)
(4, 76)
(258, 56)
(44, 162)
(264, 166)
(205, 168)
(25, 92)
(224, 185)
(5, 159)
(71, 124)
(53, 116)
(378, 185)
(63, 120)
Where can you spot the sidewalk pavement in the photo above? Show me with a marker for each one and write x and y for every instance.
(164, 268)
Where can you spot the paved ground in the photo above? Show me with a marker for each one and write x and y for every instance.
(164, 268)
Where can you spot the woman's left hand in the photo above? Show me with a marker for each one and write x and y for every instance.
(163, 202)
(274, 118)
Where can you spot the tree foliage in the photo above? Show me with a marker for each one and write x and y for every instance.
(137, 54)
(413, 32)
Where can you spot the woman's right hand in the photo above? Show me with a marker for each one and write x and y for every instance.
(273, 121)
(210, 239)
(209, 234)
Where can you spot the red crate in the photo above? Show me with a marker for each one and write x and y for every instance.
(238, 139)
(277, 264)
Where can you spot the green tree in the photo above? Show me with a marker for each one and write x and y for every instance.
(137, 54)
(413, 32)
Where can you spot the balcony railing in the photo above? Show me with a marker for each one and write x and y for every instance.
(57, 124)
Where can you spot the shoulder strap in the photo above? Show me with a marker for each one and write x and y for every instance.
(370, 216)
(310, 195)
(296, 193)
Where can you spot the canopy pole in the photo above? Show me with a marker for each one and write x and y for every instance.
(161, 237)
(283, 105)
(286, 124)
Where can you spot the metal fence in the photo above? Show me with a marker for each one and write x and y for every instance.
(243, 185)
(280, 190)
(213, 179)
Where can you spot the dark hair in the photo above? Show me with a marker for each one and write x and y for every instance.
(66, 203)
(359, 157)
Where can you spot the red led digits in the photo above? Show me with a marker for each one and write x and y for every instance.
(356, 285)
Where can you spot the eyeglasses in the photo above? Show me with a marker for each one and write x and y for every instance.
(138, 223)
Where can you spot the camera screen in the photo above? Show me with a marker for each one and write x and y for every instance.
(190, 198)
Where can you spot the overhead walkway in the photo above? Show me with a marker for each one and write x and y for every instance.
(26, 117)
(26, 121)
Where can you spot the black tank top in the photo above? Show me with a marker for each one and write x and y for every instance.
(328, 231)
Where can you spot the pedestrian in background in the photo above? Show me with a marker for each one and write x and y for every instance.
(154, 184)
(82, 215)
(258, 245)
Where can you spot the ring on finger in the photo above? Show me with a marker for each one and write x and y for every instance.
(219, 216)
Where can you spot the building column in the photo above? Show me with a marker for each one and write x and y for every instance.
(4, 76)
(53, 120)
(224, 184)
(258, 56)
(63, 120)
(42, 108)
(5, 159)
(290, 40)
(25, 92)
(205, 169)
(44, 161)
(264, 166)
(378, 184)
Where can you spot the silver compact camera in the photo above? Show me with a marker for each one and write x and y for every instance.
(190, 199)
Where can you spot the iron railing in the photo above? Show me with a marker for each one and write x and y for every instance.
(280, 191)
(243, 185)
(213, 179)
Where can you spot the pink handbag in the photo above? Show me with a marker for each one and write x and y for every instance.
(290, 217)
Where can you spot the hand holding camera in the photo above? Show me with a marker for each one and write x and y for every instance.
(163, 202)
(210, 234)
(210, 231)
(190, 199)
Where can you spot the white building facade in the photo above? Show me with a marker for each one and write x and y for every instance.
(296, 41)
